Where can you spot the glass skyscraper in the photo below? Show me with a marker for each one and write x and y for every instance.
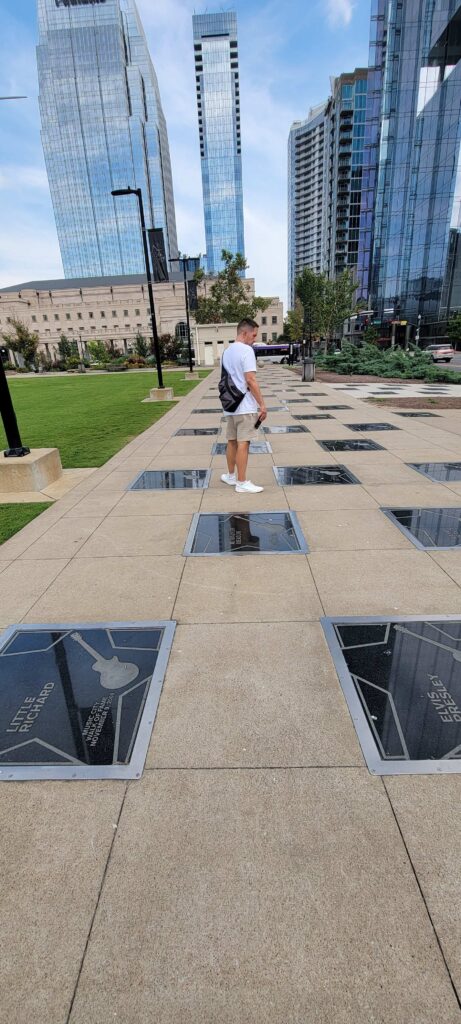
(410, 249)
(344, 139)
(218, 105)
(102, 128)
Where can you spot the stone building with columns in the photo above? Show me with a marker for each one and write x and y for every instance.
(114, 310)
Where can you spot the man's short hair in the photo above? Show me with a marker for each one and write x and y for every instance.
(247, 324)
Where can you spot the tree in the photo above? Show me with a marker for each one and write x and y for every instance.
(454, 329)
(22, 341)
(228, 300)
(141, 346)
(293, 326)
(98, 351)
(67, 349)
(337, 304)
(169, 347)
(370, 335)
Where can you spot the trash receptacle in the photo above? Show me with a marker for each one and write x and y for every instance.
(308, 368)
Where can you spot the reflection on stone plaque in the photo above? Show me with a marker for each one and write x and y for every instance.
(312, 416)
(361, 445)
(334, 407)
(419, 412)
(196, 431)
(306, 475)
(275, 429)
(217, 409)
(371, 426)
(240, 533)
(402, 682)
(170, 479)
(440, 471)
(256, 448)
(79, 701)
(428, 527)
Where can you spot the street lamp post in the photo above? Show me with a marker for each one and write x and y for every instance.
(137, 192)
(184, 260)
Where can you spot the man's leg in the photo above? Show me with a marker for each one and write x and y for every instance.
(231, 455)
(243, 448)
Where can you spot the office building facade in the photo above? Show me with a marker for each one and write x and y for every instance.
(343, 165)
(409, 253)
(218, 107)
(306, 165)
(102, 128)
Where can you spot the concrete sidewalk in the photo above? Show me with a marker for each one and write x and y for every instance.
(257, 873)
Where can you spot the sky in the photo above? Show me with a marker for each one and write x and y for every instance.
(287, 53)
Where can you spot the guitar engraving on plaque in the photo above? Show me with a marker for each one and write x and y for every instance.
(113, 673)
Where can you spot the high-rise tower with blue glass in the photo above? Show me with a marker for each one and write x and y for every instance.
(218, 104)
(410, 234)
(102, 128)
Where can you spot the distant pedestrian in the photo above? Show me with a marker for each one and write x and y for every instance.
(239, 362)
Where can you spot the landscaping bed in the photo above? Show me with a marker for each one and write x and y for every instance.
(13, 517)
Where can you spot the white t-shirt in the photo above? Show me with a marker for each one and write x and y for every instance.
(238, 360)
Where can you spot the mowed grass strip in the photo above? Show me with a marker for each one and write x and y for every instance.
(89, 418)
(14, 517)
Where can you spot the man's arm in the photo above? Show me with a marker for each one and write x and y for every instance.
(256, 392)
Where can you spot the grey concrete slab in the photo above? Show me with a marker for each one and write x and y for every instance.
(129, 588)
(157, 503)
(351, 530)
(226, 499)
(450, 562)
(425, 810)
(23, 582)
(319, 497)
(426, 493)
(215, 713)
(245, 896)
(53, 854)
(247, 588)
(100, 505)
(63, 539)
(138, 535)
(383, 582)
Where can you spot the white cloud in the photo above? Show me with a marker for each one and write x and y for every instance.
(14, 177)
(339, 12)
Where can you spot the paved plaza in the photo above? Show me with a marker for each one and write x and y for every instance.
(259, 872)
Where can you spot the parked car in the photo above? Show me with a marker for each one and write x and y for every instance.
(442, 353)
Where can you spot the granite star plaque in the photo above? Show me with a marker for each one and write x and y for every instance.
(420, 412)
(401, 678)
(312, 416)
(239, 533)
(428, 527)
(371, 426)
(361, 445)
(306, 475)
(171, 479)
(256, 448)
(276, 429)
(196, 431)
(79, 701)
(334, 407)
(439, 471)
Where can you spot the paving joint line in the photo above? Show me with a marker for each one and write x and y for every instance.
(410, 861)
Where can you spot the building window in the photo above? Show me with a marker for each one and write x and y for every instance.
(45, 316)
(274, 335)
(114, 313)
(102, 314)
(264, 320)
(56, 316)
(264, 337)
(125, 312)
(79, 316)
(137, 313)
(34, 319)
(91, 315)
(274, 319)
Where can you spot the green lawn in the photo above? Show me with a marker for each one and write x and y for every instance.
(14, 517)
(89, 418)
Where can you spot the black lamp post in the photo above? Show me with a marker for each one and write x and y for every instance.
(184, 260)
(137, 192)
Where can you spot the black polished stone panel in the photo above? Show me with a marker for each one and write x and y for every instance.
(170, 479)
(361, 445)
(196, 411)
(312, 416)
(79, 701)
(306, 475)
(297, 401)
(196, 431)
(440, 471)
(334, 407)
(419, 412)
(402, 682)
(256, 448)
(240, 533)
(278, 429)
(371, 426)
(428, 527)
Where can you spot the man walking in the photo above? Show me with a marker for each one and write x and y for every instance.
(240, 363)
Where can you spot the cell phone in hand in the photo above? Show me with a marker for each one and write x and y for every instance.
(258, 423)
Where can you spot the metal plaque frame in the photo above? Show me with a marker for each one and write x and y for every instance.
(134, 768)
(303, 546)
(353, 479)
(442, 462)
(206, 480)
(389, 512)
(375, 764)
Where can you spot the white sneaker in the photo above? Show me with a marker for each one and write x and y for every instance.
(247, 487)
(229, 478)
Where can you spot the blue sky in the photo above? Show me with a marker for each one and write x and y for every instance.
(287, 54)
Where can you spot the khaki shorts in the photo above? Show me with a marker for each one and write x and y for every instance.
(241, 428)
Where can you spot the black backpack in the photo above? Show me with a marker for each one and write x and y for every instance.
(229, 393)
